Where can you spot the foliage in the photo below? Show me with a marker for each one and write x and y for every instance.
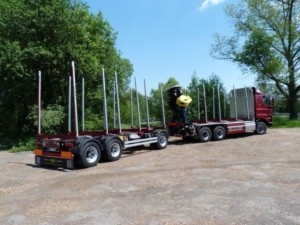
(128, 105)
(210, 86)
(155, 99)
(284, 122)
(25, 144)
(47, 36)
(266, 43)
(213, 82)
(52, 118)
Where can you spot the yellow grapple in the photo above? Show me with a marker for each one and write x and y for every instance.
(183, 100)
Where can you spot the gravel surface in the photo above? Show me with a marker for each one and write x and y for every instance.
(249, 179)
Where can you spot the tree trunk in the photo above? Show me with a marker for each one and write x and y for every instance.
(292, 106)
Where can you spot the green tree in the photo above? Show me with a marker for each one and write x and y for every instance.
(266, 42)
(47, 35)
(211, 86)
(155, 99)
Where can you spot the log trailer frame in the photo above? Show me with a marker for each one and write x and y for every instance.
(250, 111)
(87, 147)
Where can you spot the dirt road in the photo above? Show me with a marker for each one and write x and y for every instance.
(247, 180)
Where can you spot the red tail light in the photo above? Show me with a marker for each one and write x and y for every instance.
(38, 143)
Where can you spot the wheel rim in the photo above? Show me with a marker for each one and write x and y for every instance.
(162, 141)
(205, 135)
(91, 154)
(260, 128)
(115, 150)
(220, 134)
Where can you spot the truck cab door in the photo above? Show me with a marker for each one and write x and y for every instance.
(264, 108)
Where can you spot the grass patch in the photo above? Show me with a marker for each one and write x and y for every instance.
(25, 144)
(284, 122)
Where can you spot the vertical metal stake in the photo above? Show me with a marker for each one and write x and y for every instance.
(198, 102)
(204, 99)
(131, 108)
(39, 102)
(213, 103)
(105, 104)
(219, 104)
(75, 99)
(235, 104)
(118, 102)
(162, 106)
(83, 94)
(224, 105)
(147, 108)
(138, 105)
(247, 105)
(114, 104)
(70, 105)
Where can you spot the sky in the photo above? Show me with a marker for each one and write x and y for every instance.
(171, 38)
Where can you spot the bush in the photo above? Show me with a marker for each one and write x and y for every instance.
(282, 121)
(26, 144)
(52, 118)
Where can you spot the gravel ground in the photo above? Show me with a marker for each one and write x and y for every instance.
(249, 179)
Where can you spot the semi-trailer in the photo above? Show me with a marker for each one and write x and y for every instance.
(87, 147)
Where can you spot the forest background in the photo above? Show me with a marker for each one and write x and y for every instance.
(47, 35)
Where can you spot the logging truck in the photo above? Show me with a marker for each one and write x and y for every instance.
(250, 111)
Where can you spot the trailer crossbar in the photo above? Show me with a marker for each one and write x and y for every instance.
(139, 142)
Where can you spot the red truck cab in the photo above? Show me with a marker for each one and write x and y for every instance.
(263, 107)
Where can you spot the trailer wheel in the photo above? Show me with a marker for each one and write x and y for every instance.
(113, 149)
(204, 134)
(219, 133)
(261, 128)
(162, 140)
(90, 154)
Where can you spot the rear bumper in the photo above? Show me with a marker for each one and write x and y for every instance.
(41, 160)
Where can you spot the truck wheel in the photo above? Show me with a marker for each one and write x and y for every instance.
(219, 133)
(261, 128)
(90, 154)
(113, 149)
(204, 134)
(162, 140)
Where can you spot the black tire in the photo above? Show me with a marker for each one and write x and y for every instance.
(90, 154)
(261, 128)
(162, 140)
(113, 149)
(204, 134)
(219, 133)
